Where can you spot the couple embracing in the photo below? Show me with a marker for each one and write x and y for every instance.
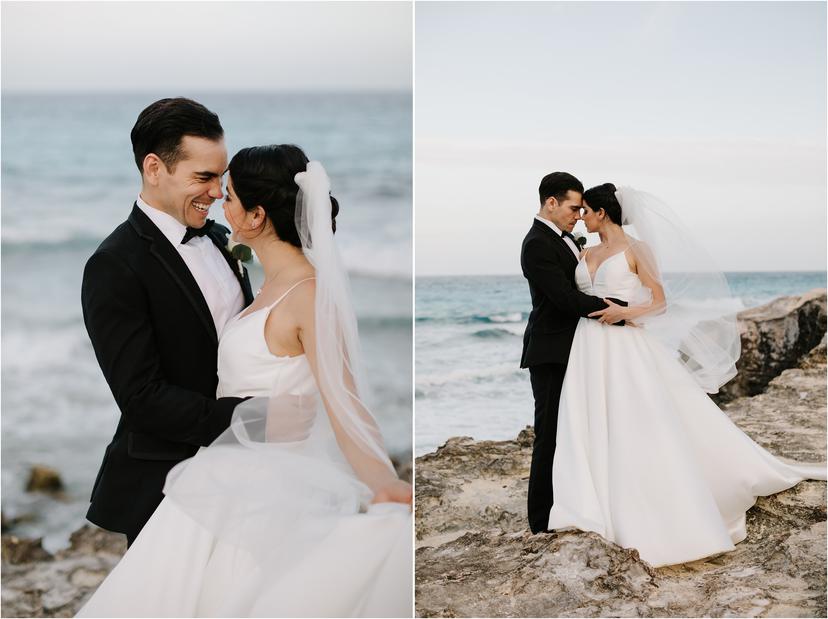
(621, 359)
(246, 472)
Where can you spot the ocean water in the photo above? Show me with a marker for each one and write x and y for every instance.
(68, 178)
(469, 336)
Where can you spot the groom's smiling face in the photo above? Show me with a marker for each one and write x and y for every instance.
(192, 185)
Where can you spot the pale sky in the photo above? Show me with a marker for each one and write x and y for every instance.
(206, 46)
(718, 108)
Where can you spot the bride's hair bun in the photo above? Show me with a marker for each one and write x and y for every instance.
(264, 176)
(603, 197)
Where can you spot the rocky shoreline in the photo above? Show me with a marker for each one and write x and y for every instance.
(36, 583)
(475, 556)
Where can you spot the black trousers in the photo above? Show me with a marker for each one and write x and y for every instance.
(547, 381)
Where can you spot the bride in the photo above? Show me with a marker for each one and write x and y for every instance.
(296, 509)
(644, 457)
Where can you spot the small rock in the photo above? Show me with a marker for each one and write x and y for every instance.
(58, 597)
(90, 579)
(20, 550)
(44, 479)
(92, 540)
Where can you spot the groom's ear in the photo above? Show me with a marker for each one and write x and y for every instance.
(152, 168)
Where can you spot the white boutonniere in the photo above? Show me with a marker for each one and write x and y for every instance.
(580, 240)
(241, 253)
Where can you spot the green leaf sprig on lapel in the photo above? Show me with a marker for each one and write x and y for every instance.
(239, 251)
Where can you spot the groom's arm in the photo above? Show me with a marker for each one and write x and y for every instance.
(116, 314)
(543, 270)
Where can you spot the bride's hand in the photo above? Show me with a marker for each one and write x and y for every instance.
(612, 314)
(396, 491)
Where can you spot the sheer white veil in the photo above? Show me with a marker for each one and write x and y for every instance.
(337, 341)
(698, 317)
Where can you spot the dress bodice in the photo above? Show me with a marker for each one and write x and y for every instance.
(246, 367)
(613, 278)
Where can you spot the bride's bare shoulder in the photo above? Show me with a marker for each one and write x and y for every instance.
(302, 298)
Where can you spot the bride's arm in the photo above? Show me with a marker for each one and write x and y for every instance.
(648, 279)
(378, 474)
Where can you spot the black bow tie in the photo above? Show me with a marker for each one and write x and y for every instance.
(564, 233)
(191, 232)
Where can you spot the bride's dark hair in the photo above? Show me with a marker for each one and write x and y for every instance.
(263, 176)
(603, 197)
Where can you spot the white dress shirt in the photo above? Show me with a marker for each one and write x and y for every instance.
(557, 231)
(209, 268)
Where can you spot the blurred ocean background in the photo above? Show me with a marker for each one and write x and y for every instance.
(469, 336)
(68, 179)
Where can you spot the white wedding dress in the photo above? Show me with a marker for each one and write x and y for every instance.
(264, 530)
(643, 456)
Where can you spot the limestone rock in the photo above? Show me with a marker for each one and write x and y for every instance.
(775, 337)
(91, 540)
(22, 550)
(8, 523)
(816, 356)
(37, 584)
(475, 556)
(44, 479)
(404, 465)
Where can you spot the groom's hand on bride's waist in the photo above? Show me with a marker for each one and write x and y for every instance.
(614, 314)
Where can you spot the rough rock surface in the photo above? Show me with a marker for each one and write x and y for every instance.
(775, 336)
(39, 584)
(475, 556)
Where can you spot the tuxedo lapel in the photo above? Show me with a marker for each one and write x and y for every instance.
(561, 244)
(219, 238)
(170, 259)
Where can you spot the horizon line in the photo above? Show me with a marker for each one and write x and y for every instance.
(417, 275)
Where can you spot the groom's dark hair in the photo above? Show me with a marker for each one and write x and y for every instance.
(556, 184)
(162, 124)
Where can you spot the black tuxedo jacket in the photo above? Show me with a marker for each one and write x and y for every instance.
(557, 304)
(156, 343)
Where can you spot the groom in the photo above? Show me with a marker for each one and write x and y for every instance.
(155, 294)
(548, 259)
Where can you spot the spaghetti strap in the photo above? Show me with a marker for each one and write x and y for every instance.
(287, 292)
